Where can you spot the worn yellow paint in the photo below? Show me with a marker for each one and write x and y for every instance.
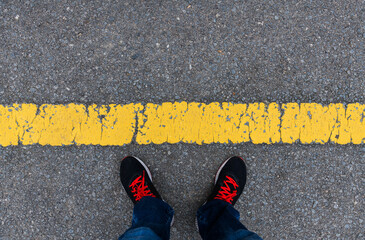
(118, 125)
(356, 122)
(316, 122)
(290, 129)
(173, 122)
(8, 128)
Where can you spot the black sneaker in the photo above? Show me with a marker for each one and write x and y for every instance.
(230, 181)
(136, 179)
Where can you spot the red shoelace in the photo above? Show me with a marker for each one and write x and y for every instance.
(226, 193)
(139, 189)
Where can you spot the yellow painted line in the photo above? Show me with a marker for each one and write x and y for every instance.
(173, 122)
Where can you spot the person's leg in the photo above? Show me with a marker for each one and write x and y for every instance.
(217, 219)
(151, 220)
(152, 216)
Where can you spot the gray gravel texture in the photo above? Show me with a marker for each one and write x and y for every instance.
(155, 51)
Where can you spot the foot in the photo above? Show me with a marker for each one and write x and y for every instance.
(230, 181)
(136, 179)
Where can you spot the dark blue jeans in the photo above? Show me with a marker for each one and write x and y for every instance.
(217, 219)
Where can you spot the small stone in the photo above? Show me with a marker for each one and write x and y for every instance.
(135, 56)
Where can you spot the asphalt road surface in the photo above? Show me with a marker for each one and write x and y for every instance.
(164, 51)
